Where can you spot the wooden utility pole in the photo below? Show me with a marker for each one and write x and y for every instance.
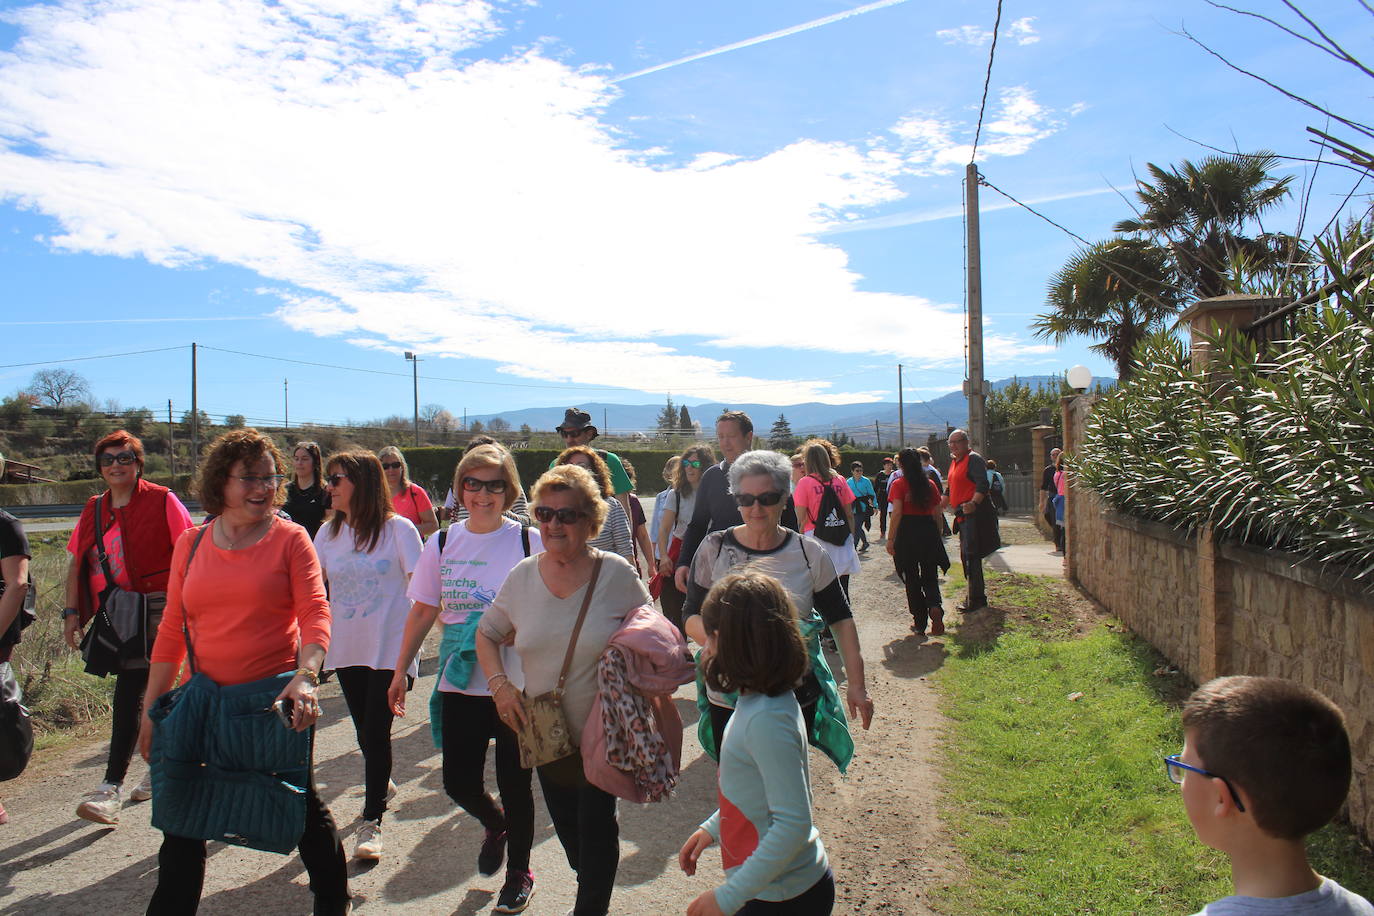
(901, 412)
(877, 436)
(974, 385)
(286, 403)
(195, 414)
(171, 444)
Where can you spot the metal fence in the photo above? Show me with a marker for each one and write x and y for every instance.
(1020, 491)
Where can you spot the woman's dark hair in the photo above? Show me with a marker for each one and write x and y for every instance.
(120, 437)
(912, 471)
(759, 647)
(316, 460)
(246, 445)
(598, 470)
(368, 512)
(479, 439)
(699, 452)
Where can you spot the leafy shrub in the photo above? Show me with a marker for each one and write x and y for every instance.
(1276, 449)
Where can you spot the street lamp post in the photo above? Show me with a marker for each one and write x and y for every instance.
(415, 377)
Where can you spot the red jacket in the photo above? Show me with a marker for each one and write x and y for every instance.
(147, 542)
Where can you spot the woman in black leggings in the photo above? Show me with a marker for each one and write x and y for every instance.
(915, 542)
(367, 553)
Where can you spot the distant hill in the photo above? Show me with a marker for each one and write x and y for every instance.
(855, 419)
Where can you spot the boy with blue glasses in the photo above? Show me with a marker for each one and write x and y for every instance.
(1265, 762)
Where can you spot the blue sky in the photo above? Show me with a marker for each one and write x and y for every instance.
(769, 214)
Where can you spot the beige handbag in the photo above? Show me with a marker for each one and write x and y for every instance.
(546, 736)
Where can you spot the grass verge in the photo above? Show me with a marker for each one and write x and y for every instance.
(1060, 805)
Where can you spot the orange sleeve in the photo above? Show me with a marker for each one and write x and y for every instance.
(170, 645)
(307, 589)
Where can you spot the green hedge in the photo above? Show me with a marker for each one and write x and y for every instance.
(77, 491)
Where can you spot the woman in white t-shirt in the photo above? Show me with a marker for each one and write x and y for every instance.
(367, 553)
(459, 573)
(677, 514)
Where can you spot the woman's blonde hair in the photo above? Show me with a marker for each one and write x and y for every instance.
(575, 479)
(392, 451)
(489, 456)
(818, 461)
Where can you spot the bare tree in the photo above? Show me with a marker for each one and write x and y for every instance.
(59, 387)
(499, 425)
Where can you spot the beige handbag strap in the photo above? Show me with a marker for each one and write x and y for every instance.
(577, 627)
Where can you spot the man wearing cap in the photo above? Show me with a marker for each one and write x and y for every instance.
(577, 429)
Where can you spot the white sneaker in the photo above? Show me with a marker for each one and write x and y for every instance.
(144, 790)
(391, 789)
(101, 806)
(369, 841)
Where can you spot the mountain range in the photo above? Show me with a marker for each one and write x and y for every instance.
(855, 419)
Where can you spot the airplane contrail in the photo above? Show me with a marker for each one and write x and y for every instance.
(139, 320)
(760, 39)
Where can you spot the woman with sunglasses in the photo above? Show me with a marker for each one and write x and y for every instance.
(139, 523)
(538, 608)
(306, 498)
(759, 482)
(677, 515)
(409, 499)
(367, 553)
(459, 573)
(615, 534)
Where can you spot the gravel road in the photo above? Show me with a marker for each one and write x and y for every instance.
(879, 823)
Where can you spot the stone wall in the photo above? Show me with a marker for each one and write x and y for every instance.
(1215, 608)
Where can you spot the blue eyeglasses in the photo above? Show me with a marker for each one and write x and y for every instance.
(1173, 767)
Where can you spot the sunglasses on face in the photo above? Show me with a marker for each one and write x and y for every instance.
(691, 463)
(473, 485)
(571, 433)
(771, 498)
(390, 465)
(546, 514)
(335, 479)
(106, 459)
(253, 482)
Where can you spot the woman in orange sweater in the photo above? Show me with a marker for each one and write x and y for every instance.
(251, 596)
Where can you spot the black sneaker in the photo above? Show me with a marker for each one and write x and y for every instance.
(516, 893)
(493, 852)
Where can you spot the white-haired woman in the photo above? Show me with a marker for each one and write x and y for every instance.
(759, 482)
(409, 499)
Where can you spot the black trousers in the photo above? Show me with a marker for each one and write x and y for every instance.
(970, 554)
(918, 566)
(817, 900)
(584, 817)
(364, 691)
(181, 866)
(670, 600)
(126, 720)
(469, 724)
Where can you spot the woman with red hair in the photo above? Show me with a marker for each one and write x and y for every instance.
(123, 540)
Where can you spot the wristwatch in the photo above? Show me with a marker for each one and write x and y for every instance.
(69, 612)
(309, 674)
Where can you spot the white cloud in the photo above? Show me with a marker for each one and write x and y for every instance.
(1023, 32)
(970, 35)
(477, 209)
(936, 145)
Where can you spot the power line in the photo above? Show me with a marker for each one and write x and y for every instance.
(78, 359)
(987, 81)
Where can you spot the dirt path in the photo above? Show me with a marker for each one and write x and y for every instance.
(879, 823)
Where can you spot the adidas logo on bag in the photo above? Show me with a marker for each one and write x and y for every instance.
(833, 520)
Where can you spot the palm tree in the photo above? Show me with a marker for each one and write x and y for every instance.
(1119, 291)
(1202, 211)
